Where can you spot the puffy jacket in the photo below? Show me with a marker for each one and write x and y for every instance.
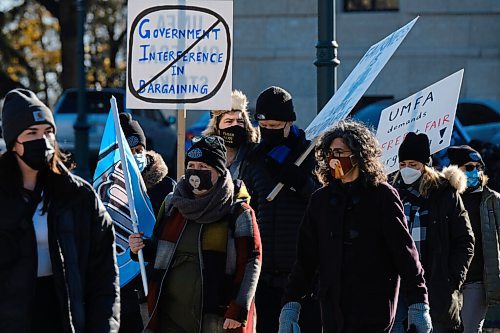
(82, 251)
(449, 247)
(279, 219)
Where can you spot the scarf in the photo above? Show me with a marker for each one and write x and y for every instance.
(206, 209)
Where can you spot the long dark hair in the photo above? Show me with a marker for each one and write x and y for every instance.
(363, 145)
(45, 178)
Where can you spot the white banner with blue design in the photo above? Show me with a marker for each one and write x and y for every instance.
(120, 187)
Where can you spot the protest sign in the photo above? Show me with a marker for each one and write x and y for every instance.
(430, 111)
(356, 84)
(179, 54)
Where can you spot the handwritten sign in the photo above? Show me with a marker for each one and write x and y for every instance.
(430, 111)
(356, 84)
(179, 54)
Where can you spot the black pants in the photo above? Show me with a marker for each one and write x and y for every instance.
(268, 304)
(47, 314)
(130, 312)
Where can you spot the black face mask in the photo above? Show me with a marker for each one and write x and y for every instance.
(233, 136)
(200, 181)
(272, 137)
(37, 153)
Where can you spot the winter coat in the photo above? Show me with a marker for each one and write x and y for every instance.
(229, 277)
(490, 229)
(158, 184)
(279, 219)
(449, 247)
(82, 252)
(355, 236)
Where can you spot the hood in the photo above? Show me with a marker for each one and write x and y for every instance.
(156, 169)
(456, 178)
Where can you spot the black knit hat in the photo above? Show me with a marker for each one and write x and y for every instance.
(209, 150)
(132, 130)
(415, 147)
(460, 155)
(22, 109)
(275, 103)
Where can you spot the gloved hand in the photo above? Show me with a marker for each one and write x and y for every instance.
(420, 318)
(292, 175)
(289, 318)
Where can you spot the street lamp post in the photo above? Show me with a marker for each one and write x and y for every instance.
(326, 53)
(81, 125)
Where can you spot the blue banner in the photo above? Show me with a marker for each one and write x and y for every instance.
(109, 183)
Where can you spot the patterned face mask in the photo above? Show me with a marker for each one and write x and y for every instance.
(200, 181)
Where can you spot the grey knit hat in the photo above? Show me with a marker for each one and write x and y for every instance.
(22, 109)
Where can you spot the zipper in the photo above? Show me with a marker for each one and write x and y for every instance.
(200, 256)
(162, 280)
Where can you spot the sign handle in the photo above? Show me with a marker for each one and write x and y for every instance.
(298, 162)
(181, 141)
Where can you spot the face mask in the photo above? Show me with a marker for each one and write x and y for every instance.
(272, 137)
(141, 161)
(37, 153)
(200, 181)
(410, 175)
(233, 136)
(472, 179)
(341, 166)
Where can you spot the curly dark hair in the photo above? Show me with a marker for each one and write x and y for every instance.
(363, 145)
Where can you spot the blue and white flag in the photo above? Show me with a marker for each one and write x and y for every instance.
(111, 184)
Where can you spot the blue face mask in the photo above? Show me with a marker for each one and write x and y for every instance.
(472, 178)
(141, 161)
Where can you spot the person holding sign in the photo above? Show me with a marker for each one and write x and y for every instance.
(354, 235)
(440, 227)
(235, 128)
(205, 250)
(272, 162)
(58, 267)
(482, 284)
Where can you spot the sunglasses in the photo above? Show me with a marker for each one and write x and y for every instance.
(470, 167)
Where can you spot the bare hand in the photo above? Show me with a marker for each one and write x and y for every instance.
(230, 324)
(135, 242)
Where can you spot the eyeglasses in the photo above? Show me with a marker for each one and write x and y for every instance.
(337, 152)
(470, 167)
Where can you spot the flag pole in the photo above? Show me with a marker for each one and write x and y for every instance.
(128, 188)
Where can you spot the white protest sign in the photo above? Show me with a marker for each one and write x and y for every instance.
(356, 84)
(179, 54)
(430, 111)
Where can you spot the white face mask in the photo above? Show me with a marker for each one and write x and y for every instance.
(141, 161)
(410, 175)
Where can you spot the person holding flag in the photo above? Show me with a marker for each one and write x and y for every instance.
(205, 250)
(482, 283)
(58, 267)
(354, 235)
(440, 227)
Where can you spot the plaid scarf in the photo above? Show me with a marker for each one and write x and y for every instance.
(417, 214)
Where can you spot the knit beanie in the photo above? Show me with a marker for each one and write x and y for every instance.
(209, 150)
(22, 109)
(460, 155)
(415, 147)
(275, 103)
(132, 130)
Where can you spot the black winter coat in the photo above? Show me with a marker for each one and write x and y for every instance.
(356, 236)
(82, 252)
(448, 250)
(279, 219)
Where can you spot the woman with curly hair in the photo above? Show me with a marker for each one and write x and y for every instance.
(354, 234)
(235, 128)
(440, 227)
